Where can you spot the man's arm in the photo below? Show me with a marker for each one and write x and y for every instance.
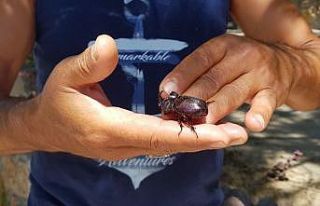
(16, 41)
(279, 22)
(72, 113)
(277, 62)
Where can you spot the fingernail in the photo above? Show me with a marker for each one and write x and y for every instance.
(169, 87)
(259, 120)
(95, 50)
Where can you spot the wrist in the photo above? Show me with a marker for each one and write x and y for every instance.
(283, 73)
(18, 118)
(301, 76)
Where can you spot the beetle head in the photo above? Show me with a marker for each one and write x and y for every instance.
(166, 103)
(173, 95)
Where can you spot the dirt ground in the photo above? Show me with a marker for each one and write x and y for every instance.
(246, 166)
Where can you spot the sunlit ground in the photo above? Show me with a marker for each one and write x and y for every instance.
(246, 166)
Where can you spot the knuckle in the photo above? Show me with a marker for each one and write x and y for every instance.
(226, 37)
(213, 76)
(254, 52)
(268, 106)
(238, 89)
(248, 52)
(208, 85)
(221, 104)
(203, 56)
(154, 142)
(222, 143)
(226, 141)
(230, 40)
(158, 147)
(264, 70)
(263, 55)
(211, 82)
(230, 94)
(83, 63)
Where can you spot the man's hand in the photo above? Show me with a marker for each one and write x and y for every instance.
(73, 115)
(228, 71)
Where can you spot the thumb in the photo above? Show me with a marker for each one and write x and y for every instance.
(91, 66)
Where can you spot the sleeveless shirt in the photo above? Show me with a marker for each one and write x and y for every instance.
(152, 37)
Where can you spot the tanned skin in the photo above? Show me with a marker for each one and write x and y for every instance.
(73, 115)
(276, 63)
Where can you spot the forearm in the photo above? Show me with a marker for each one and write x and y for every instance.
(15, 136)
(271, 21)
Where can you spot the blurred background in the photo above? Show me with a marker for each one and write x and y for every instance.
(311, 10)
(247, 168)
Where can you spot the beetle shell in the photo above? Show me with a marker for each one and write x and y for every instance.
(191, 107)
(183, 108)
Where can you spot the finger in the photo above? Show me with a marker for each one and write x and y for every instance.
(91, 66)
(149, 132)
(219, 75)
(209, 137)
(193, 66)
(121, 153)
(262, 107)
(230, 97)
(124, 152)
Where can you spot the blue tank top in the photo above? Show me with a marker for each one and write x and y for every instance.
(152, 37)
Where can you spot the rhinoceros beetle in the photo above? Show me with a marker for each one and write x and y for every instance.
(186, 110)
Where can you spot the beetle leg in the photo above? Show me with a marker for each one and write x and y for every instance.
(188, 123)
(181, 127)
(193, 129)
